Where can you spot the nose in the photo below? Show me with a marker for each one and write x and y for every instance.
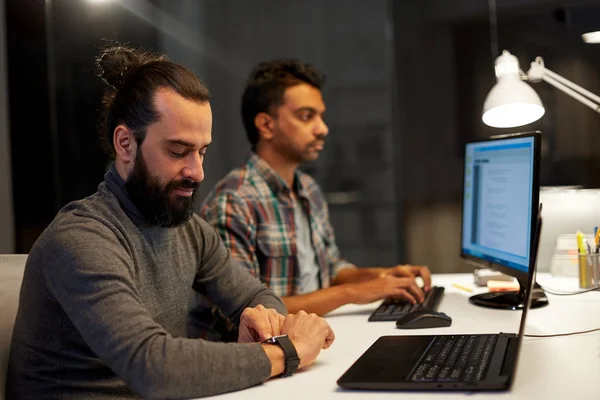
(322, 129)
(194, 168)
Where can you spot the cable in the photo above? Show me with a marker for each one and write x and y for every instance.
(568, 293)
(563, 334)
(493, 30)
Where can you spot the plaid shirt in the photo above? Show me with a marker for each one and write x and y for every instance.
(253, 211)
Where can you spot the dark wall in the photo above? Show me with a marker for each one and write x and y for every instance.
(54, 102)
(571, 154)
(31, 143)
(220, 41)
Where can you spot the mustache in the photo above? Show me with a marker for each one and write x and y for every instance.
(185, 184)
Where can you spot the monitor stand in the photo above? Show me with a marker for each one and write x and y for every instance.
(510, 300)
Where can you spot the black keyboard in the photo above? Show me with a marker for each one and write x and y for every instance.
(455, 358)
(394, 309)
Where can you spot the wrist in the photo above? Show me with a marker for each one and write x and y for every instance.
(290, 355)
(276, 357)
(351, 291)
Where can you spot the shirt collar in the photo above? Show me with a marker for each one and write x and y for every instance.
(273, 180)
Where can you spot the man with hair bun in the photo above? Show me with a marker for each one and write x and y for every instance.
(103, 311)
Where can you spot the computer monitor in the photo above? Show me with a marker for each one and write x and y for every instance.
(500, 208)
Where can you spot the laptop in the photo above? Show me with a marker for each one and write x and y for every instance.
(443, 362)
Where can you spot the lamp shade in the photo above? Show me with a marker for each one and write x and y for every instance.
(591, 37)
(511, 102)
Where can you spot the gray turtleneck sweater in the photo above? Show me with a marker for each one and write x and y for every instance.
(104, 308)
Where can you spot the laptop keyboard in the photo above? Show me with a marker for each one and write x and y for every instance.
(394, 309)
(455, 358)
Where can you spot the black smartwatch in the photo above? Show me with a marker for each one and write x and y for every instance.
(289, 352)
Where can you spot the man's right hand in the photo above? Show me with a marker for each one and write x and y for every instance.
(309, 333)
(386, 286)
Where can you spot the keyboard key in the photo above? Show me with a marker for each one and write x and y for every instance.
(433, 371)
(456, 373)
(444, 373)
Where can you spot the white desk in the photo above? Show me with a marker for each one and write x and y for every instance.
(549, 368)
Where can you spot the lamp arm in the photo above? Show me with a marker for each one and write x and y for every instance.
(571, 85)
(577, 96)
(538, 72)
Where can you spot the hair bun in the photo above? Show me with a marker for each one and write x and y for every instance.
(117, 62)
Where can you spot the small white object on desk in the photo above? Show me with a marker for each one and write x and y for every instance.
(481, 276)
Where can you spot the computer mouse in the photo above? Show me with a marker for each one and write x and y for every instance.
(424, 319)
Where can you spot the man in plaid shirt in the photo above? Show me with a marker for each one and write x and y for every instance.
(274, 218)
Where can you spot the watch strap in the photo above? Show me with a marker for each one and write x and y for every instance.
(289, 353)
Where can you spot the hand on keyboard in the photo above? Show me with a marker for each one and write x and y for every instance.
(387, 286)
(410, 271)
(393, 310)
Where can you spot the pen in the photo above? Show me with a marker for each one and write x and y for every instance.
(587, 246)
(582, 260)
(466, 289)
(580, 245)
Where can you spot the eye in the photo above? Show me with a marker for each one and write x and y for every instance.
(306, 115)
(178, 154)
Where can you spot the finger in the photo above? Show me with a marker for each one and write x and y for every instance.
(329, 338)
(281, 322)
(397, 270)
(405, 270)
(415, 291)
(405, 294)
(259, 325)
(287, 324)
(275, 327)
(426, 275)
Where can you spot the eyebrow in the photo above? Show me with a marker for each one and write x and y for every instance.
(311, 109)
(183, 143)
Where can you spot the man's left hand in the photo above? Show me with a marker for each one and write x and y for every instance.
(259, 323)
(410, 271)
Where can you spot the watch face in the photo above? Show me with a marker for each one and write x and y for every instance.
(273, 339)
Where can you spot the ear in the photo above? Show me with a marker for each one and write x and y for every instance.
(265, 125)
(125, 144)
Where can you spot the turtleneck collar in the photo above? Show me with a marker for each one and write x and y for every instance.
(118, 187)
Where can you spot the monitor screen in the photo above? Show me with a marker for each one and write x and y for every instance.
(500, 201)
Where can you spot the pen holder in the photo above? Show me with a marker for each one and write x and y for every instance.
(589, 270)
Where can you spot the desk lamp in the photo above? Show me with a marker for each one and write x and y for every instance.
(512, 102)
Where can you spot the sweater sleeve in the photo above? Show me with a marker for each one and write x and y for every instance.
(91, 275)
(228, 284)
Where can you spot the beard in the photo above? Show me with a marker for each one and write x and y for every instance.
(156, 203)
(293, 152)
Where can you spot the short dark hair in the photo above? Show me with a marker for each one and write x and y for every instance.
(132, 78)
(266, 85)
